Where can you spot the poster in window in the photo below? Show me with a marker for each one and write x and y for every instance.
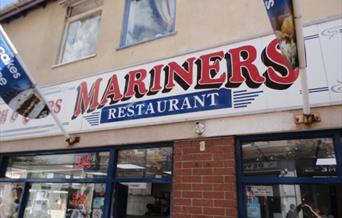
(86, 161)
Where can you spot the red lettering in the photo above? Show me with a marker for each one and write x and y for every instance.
(135, 84)
(3, 116)
(243, 68)
(279, 74)
(112, 92)
(155, 86)
(58, 106)
(180, 74)
(14, 117)
(86, 100)
(207, 70)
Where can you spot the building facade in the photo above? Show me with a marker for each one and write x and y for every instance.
(183, 109)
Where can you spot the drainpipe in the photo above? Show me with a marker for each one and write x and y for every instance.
(307, 117)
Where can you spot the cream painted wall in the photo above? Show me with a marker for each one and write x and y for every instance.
(199, 24)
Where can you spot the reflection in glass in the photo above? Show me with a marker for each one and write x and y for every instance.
(10, 195)
(141, 200)
(151, 162)
(289, 201)
(66, 166)
(81, 38)
(56, 200)
(149, 19)
(303, 157)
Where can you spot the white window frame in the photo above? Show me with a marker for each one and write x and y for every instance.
(70, 19)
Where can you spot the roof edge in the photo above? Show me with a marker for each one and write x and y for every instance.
(20, 9)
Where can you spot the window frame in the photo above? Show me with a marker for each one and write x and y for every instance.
(124, 28)
(70, 19)
(242, 180)
(110, 180)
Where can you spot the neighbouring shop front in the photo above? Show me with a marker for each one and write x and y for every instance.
(109, 182)
(301, 171)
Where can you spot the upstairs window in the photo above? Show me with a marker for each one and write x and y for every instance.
(82, 28)
(147, 20)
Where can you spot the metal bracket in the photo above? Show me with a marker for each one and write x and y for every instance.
(307, 119)
(73, 140)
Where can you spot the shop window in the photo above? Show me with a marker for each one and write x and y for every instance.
(62, 166)
(146, 163)
(82, 28)
(56, 200)
(10, 196)
(302, 157)
(84, 183)
(147, 19)
(141, 200)
(290, 175)
(294, 201)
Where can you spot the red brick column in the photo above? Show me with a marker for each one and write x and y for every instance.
(204, 182)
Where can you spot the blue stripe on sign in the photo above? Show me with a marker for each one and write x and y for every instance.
(245, 97)
(248, 93)
(242, 100)
(180, 104)
(245, 103)
(240, 91)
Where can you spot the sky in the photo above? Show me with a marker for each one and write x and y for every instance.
(4, 3)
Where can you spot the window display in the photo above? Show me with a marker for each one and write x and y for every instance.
(292, 201)
(290, 158)
(79, 165)
(94, 183)
(54, 200)
(10, 195)
(151, 162)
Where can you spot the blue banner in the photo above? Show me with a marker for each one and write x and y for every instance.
(280, 13)
(180, 104)
(16, 88)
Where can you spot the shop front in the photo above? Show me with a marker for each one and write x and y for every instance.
(104, 182)
(298, 173)
(210, 133)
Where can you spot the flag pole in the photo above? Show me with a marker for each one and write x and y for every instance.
(70, 140)
(307, 117)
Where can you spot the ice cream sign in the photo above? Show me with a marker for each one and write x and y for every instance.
(16, 88)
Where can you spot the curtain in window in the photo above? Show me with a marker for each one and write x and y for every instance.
(166, 10)
(148, 19)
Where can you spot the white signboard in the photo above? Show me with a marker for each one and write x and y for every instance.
(241, 78)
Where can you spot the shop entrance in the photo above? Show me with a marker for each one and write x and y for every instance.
(297, 175)
(293, 201)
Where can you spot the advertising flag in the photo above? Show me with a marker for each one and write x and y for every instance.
(16, 88)
(280, 13)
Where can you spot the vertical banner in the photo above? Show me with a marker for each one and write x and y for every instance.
(280, 13)
(16, 88)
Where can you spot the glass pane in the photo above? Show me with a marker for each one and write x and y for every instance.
(294, 201)
(304, 157)
(65, 166)
(151, 162)
(57, 200)
(81, 38)
(141, 200)
(10, 195)
(148, 19)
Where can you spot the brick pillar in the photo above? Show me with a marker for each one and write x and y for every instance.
(204, 182)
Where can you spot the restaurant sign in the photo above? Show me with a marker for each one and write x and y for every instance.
(241, 78)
